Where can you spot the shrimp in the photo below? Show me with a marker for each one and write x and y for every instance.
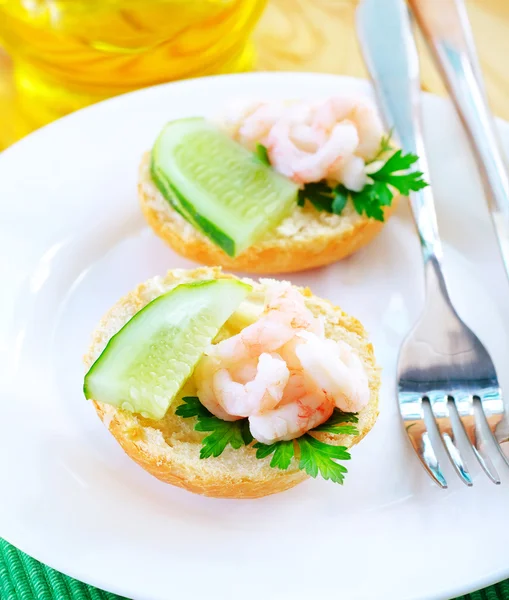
(289, 158)
(250, 123)
(285, 313)
(236, 115)
(304, 407)
(221, 373)
(324, 374)
(281, 372)
(257, 126)
(283, 301)
(311, 141)
(361, 114)
(205, 388)
(226, 391)
(335, 368)
(351, 172)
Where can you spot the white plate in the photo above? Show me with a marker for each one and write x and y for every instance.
(72, 241)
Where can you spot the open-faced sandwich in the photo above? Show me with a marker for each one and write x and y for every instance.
(276, 186)
(232, 388)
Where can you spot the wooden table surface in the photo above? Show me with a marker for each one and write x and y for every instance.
(319, 35)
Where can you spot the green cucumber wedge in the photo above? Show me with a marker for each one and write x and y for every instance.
(166, 190)
(221, 188)
(145, 364)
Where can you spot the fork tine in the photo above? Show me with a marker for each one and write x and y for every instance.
(421, 443)
(464, 404)
(492, 410)
(440, 410)
(411, 408)
(430, 461)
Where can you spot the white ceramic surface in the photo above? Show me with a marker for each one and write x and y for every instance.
(72, 241)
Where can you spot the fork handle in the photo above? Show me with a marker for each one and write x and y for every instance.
(446, 28)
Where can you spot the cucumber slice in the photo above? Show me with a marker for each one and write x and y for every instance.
(182, 206)
(165, 188)
(145, 364)
(217, 185)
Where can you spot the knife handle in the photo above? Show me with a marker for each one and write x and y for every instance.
(447, 30)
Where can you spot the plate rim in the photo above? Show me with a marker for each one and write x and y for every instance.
(75, 573)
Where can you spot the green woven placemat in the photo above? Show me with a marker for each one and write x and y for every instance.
(24, 578)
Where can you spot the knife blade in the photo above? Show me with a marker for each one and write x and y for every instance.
(389, 49)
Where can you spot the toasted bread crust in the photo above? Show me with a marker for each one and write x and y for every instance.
(169, 449)
(274, 254)
(177, 473)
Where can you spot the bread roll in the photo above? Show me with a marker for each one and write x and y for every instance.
(306, 239)
(169, 448)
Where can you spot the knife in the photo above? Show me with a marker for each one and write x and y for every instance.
(390, 54)
(447, 30)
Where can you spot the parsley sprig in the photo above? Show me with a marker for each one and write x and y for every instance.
(315, 456)
(338, 423)
(376, 194)
(323, 197)
(221, 433)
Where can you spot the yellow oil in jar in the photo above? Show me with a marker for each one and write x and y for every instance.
(70, 53)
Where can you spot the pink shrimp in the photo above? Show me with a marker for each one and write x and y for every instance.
(304, 407)
(250, 124)
(285, 313)
(229, 391)
(336, 368)
(223, 386)
(280, 372)
(311, 141)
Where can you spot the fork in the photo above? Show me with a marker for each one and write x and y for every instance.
(447, 382)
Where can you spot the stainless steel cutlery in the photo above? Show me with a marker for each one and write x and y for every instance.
(447, 384)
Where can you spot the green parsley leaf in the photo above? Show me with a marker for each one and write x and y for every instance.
(340, 422)
(264, 450)
(222, 433)
(323, 197)
(192, 407)
(320, 195)
(262, 154)
(398, 162)
(367, 201)
(382, 193)
(374, 196)
(411, 182)
(245, 432)
(340, 195)
(283, 453)
(317, 457)
(337, 417)
(337, 452)
(339, 429)
(390, 174)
